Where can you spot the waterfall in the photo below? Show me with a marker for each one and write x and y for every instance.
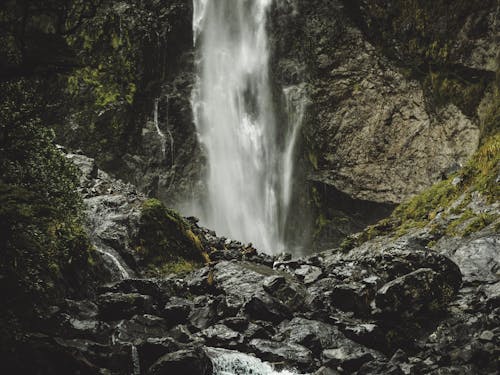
(156, 122)
(227, 362)
(249, 171)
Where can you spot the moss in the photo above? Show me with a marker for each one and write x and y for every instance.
(482, 170)
(165, 240)
(178, 267)
(446, 87)
(313, 159)
(349, 243)
(424, 206)
(479, 175)
(455, 226)
(479, 222)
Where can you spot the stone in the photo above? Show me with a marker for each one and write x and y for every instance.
(292, 354)
(309, 274)
(407, 295)
(350, 359)
(116, 306)
(221, 336)
(289, 293)
(177, 310)
(183, 362)
(311, 334)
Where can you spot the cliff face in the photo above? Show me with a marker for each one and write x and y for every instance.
(399, 92)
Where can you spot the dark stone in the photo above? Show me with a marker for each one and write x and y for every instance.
(293, 354)
(183, 362)
(116, 306)
(141, 328)
(177, 310)
(291, 294)
(423, 289)
(264, 307)
(349, 358)
(221, 336)
(153, 348)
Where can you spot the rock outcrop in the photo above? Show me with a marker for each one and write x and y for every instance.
(387, 306)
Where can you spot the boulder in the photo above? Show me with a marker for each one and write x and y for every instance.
(116, 306)
(292, 354)
(348, 358)
(183, 362)
(421, 290)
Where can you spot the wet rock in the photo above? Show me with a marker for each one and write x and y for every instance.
(177, 310)
(153, 348)
(351, 297)
(272, 351)
(258, 330)
(326, 371)
(311, 334)
(221, 336)
(116, 306)
(240, 281)
(420, 290)
(238, 323)
(206, 311)
(349, 359)
(308, 274)
(159, 289)
(290, 294)
(140, 328)
(478, 257)
(183, 362)
(365, 333)
(264, 307)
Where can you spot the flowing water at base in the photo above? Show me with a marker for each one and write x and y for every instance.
(227, 362)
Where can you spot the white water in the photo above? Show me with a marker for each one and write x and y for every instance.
(250, 169)
(123, 272)
(227, 362)
(157, 127)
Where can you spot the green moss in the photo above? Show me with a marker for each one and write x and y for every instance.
(479, 175)
(313, 159)
(180, 267)
(446, 87)
(479, 222)
(425, 206)
(165, 240)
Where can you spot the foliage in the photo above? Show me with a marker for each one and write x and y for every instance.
(478, 176)
(165, 240)
(45, 252)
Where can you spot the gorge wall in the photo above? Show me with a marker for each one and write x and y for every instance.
(399, 96)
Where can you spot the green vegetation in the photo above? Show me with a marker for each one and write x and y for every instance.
(166, 241)
(478, 176)
(45, 253)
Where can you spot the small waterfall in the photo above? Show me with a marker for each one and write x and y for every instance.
(227, 362)
(136, 366)
(250, 164)
(295, 106)
(124, 274)
(157, 127)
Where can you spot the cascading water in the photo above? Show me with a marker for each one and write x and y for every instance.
(248, 183)
(227, 362)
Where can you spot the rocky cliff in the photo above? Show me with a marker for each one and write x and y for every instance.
(400, 94)
(387, 306)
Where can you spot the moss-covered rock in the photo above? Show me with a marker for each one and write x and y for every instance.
(165, 240)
